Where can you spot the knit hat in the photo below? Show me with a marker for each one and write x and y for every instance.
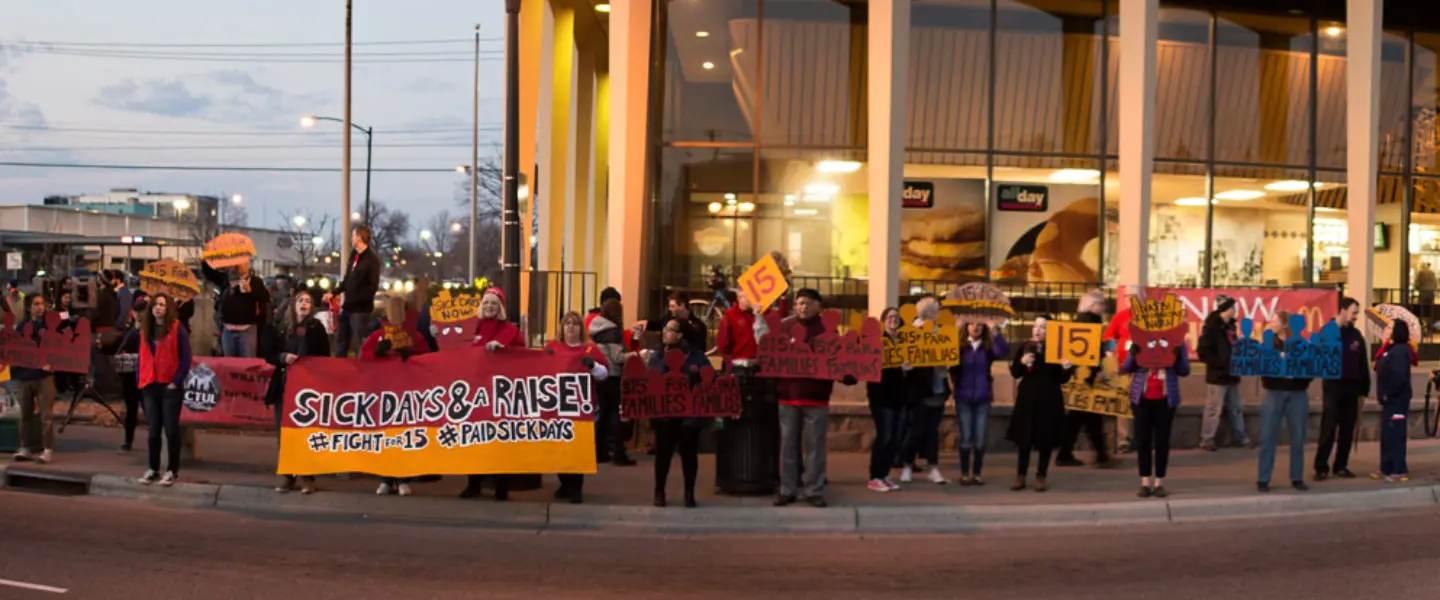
(1224, 303)
(810, 294)
(609, 293)
(497, 292)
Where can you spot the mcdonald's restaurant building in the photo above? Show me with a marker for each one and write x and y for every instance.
(888, 147)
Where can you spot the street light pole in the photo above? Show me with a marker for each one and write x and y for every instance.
(345, 159)
(369, 145)
(475, 158)
(510, 251)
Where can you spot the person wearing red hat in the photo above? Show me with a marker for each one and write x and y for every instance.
(494, 333)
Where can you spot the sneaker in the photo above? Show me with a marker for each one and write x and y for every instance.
(383, 490)
(1322, 476)
(287, 483)
(23, 455)
(1262, 487)
(965, 481)
(1209, 446)
(307, 487)
(1397, 478)
(1125, 447)
(1144, 492)
(894, 487)
(905, 474)
(1160, 492)
(404, 489)
(936, 478)
(147, 479)
(877, 485)
(45, 457)
(1377, 476)
(169, 479)
(978, 480)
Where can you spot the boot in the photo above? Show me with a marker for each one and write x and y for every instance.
(660, 497)
(1040, 483)
(502, 488)
(1019, 483)
(622, 459)
(474, 485)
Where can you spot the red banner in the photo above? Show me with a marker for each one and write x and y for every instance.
(649, 394)
(65, 351)
(784, 354)
(1317, 306)
(463, 411)
(228, 391)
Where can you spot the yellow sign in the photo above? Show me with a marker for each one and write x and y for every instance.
(763, 283)
(929, 345)
(1152, 315)
(1077, 342)
(1109, 395)
(446, 308)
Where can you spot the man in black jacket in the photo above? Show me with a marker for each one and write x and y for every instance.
(1091, 306)
(1222, 388)
(357, 294)
(1342, 396)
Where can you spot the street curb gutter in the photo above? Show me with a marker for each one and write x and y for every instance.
(532, 516)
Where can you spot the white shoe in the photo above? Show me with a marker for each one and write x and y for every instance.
(383, 490)
(894, 487)
(45, 457)
(878, 485)
(905, 474)
(169, 479)
(148, 478)
(936, 477)
(404, 489)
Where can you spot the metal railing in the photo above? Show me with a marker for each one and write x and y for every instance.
(551, 295)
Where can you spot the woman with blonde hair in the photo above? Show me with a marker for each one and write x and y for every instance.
(929, 390)
(394, 332)
(572, 342)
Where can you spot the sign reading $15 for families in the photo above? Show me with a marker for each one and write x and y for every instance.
(928, 345)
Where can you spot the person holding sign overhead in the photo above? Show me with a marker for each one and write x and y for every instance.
(1038, 420)
(1154, 396)
(974, 393)
(1392, 378)
(929, 389)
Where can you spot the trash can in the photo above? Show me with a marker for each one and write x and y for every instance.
(747, 452)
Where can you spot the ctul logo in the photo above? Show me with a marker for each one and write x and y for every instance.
(202, 389)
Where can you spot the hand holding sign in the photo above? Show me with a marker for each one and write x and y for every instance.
(763, 283)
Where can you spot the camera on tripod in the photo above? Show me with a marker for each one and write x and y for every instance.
(716, 279)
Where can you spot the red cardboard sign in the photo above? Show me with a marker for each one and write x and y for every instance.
(228, 391)
(786, 354)
(65, 351)
(651, 394)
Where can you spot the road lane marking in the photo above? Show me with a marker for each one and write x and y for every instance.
(33, 586)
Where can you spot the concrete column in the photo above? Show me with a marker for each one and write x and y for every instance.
(532, 28)
(628, 185)
(1138, 32)
(577, 218)
(889, 64)
(556, 128)
(1362, 119)
(601, 172)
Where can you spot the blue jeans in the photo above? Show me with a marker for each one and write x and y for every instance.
(1294, 407)
(974, 419)
(889, 428)
(1394, 435)
(239, 344)
(1223, 399)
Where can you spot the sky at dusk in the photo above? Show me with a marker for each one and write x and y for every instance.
(82, 82)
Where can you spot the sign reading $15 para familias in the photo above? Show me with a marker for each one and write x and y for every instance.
(930, 344)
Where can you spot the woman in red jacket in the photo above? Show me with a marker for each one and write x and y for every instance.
(572, 342)
(494, 333)
(735, 338)
(164, 364)
(394, 334)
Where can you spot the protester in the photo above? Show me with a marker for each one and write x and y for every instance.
(886, 399)
(127, 367)
(1116, 341)
(679, 309)
(186, 312)
(929, 390)
(1154, 396)
(1288, 399)
(123, 294)
(164, 364)
(357, 293)
(36, 391)
(610, 434)
(494, 332)
(804, 413)
(1038, 420)
(1093, 424)
(301, 334)
(735, 338)
(681, 434)
(394, 333)
(1392, 378)
(572, 342)
(606, 295)
(1342, 396)
(244, 307)
(1223, 389)
(974, 393)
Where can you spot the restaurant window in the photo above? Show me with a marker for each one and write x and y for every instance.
(709, 73)
(1263, 90)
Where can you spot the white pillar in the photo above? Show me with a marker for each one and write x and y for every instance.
(1138, 31)
(625, 210)
(1362, 119)
(889, 63)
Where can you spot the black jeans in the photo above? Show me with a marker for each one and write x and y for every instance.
(672, 435)
(350, 332)
(607, 428)
(1341, 412)
(1153, 420)
(1094, 426)
(888, 430)
(1042, 469)
(162, 415)
(924, 437)
(130, 386)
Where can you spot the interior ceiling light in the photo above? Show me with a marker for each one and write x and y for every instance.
(603, 7)
(821, 189)
(1240, 195)
(715, 207)
(746, 207)
(1075, 175)
(1334, 31)
(707, 65)
(806, 212)
(1195, 201)
(838, 166)
(702, 34)
(1289, 185)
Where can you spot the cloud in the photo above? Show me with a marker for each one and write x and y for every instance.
(227, 96)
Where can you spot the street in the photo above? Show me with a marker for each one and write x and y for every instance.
(114, 549)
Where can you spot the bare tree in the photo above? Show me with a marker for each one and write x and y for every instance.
(491, 183)
(311, 238)
(389, 228)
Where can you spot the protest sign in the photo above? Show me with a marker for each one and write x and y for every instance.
(1157, 328)
(1319, 356)
(1078, 343)
(982, 302)
(228, 391)
(784, 354)
(929, 345)
(1380, 316)
(1109, 395)
(171, 277)
(647, 393)
(63, 349)
(763, 283)
(466, 411)
(228, 250)
(455, 318)
(1318, 306)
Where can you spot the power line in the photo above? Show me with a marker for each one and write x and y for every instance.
(118, 167)
(359, 144)
(253, 44)
(46, 128)
(494, 56)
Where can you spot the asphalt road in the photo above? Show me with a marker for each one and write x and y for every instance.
(111, 549)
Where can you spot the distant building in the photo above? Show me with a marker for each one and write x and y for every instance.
(132, 201)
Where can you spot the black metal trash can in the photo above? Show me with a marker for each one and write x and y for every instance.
(747, 454)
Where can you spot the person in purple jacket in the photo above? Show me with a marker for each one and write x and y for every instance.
(1154, 396)
(974, 392)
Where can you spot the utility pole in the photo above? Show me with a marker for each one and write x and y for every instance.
(345, 167)
(475, 159)
(510, 251)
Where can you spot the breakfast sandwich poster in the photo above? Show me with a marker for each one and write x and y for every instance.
(947, 240)
(1051, 236)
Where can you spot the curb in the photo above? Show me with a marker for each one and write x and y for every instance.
(541, 517)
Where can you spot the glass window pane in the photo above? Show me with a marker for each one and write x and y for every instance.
(942, 235)
(814, 73)
(1263, 89)
(701, 216)
(1424, 246)
(1177, 225)
(1046, 220)
(949, 74)
(1330, 140)
(1426, 103)
(1047, 76)
(1260, 228)
(1331, 235)
(1394, 103)
(814, 210)
(710, 70)
(1182, 85)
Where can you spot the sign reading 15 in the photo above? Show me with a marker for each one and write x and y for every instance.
(1077, 342)
(763, 283)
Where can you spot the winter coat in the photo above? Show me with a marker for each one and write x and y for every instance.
(1173, 373)
(974, 383)
(1392, 375)
(1216, 339)
(308, 339)
(1354, 365)
(1039, 415)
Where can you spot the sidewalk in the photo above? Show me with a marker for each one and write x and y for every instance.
(236, 472)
